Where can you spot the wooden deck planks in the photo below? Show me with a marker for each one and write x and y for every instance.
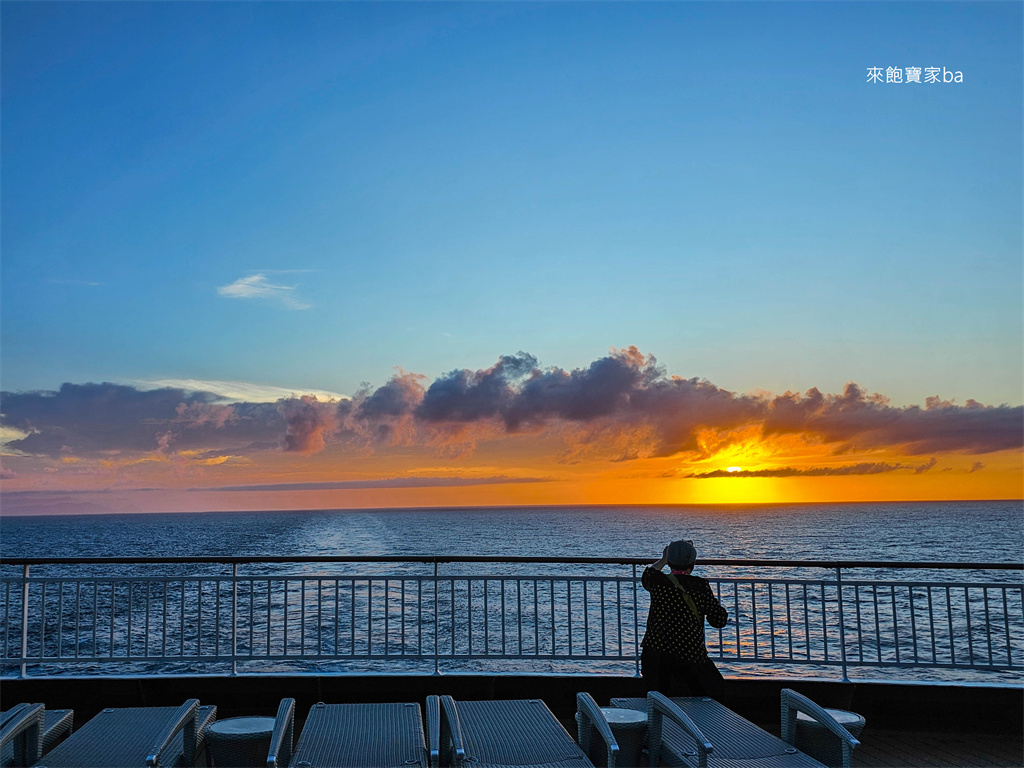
(891, 749)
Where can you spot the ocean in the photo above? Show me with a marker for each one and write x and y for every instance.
(987, 531)
(957, 532)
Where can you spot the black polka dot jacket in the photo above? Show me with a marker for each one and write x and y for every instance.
(672, 626)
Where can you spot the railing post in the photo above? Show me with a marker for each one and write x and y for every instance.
(24, 620)
(842, 623)
(234, 619)
(636, 623)
(437, 587)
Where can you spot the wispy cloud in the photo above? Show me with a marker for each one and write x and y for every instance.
(238, 391)
(10, 435)
(387, 482)
(256, 286)
(863, 468)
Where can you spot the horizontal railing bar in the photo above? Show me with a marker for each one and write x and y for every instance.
(743, 660)
(430, 559)
(397, 578)
(349, 659)
(474, 673)
(526, 578)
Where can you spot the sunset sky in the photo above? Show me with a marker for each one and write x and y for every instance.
(302, 255)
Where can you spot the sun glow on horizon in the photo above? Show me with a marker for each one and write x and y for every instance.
(734, 469)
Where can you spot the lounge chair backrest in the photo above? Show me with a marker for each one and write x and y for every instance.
(588, 715)
(282, 738)
(184, 721)
(659, 707)
(22, 729)
(793, 702)
(446, 744)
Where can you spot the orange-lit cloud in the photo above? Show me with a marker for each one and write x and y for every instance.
(861, 468)
(606, 426)
(309, 424)
(623, 400)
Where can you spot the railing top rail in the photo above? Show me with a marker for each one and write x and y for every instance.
(831, 564)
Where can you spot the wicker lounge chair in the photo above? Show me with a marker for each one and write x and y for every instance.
(842, 745)
(356, 736)
(282, 738)
(21, 732)
(135, 736)
(57, 725)
(500, 733)
(699, 732)
(590, 719)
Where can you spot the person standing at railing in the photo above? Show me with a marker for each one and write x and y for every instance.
(674, 660)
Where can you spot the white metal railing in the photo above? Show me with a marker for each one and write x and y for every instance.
(431, 615)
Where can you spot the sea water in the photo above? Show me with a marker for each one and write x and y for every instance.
(991, 531)
(956, 532)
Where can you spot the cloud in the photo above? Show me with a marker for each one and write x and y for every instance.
(390, 482)
(237, 391)
(256, 286)
(624, 399)
(922, 468)
(309, 423)
(863, 468)
(620, 407)
(467, 396)
(99, 419)
(9, 435)
(198, 414)
(856, 420)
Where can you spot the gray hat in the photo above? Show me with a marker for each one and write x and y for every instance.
(681, 554)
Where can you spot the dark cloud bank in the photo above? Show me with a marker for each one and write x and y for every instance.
(625, 392)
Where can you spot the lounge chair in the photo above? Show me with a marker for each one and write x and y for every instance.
(589, 719)
(282, 738)
(355, 736)
(21, 732)
(503, 733)
(56, 726)
(844, 742)
(699, 732)
(135, 736)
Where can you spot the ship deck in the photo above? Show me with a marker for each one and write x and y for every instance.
(907, 724)
(927, 749)
(885, 749)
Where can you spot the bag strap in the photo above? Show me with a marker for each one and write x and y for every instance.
(686, 595)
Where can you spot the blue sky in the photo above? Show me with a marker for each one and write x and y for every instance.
(429, 186)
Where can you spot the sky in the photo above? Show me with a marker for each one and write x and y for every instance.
(300, 255)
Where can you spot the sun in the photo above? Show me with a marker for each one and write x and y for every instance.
(734, 469)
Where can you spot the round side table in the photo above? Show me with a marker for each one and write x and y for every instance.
(817, 741)
(239, 742)
(629, 727)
